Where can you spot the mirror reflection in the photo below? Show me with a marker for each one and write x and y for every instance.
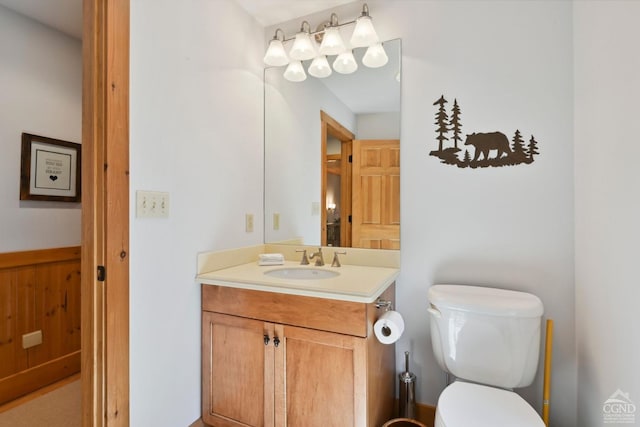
(332, 157)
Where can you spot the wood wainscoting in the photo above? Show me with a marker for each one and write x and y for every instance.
(39, 291)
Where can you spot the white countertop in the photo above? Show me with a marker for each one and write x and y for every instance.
(354, 283)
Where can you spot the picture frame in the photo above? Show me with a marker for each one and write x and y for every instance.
(50, 169)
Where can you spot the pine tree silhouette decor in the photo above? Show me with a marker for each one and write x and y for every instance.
(491, 149)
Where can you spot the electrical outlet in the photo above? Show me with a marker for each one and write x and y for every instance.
(249, 223)
(31, 339)
(276, 221)
(152, 204)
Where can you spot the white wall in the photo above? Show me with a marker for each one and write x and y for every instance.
(196, 132)
(40, 93)
(378, 126)
(509, 64)
(607, 90)
(292, 156)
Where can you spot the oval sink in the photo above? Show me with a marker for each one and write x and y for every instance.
(301, 273)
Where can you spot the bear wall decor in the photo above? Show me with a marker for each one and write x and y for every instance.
(449, 128)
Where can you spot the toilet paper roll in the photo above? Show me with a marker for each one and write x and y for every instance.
(389, 327)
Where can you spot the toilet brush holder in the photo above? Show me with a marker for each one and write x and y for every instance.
(407, 386)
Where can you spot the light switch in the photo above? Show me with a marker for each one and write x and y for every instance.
(152, 204)
(276, 221)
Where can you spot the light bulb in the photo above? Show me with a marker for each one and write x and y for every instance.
(375, 56)
(332, 43)
(364, 34)
(276, 55)
(345, 63)
(302, 48)
(320, 67)
(295, 72)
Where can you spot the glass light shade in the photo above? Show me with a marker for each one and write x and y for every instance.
(375, 56)
(345, 63)
(295, 72)
(276, 55)
(302, 48)
(332, 43)
(320, 67)
(364, 34)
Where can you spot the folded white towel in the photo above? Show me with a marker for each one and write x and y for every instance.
(270, 259)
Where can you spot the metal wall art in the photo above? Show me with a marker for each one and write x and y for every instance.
(490, 149)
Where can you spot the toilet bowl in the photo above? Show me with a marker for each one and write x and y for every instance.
(475, 405)
(489, 339)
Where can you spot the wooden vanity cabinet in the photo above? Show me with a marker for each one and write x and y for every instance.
(275, 360)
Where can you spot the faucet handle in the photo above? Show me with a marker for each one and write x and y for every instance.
(336, 261)
(304, 260)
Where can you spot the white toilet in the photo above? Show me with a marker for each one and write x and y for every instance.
(489, 339)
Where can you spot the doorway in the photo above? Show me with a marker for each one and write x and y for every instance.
(105, 207)
(335, 196)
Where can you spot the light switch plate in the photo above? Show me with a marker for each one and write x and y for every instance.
(276, 221)
(249, 223)
(152, 204)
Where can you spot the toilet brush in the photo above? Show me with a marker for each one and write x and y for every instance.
(407, 403)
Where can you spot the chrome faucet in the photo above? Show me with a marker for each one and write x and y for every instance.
(320, 259)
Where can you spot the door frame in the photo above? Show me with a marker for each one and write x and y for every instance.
(105, 206)
(330, 126)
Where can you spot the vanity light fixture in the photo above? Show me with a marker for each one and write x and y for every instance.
(364, 34)
(303, 48)
(295, 72)
(375, 56)
(320, 67)
(345, 63)
(276, 56)
(332, 44)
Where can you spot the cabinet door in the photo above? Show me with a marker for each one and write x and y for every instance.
(320, 379)
(237, 369)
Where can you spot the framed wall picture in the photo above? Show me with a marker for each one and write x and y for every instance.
(50, 169)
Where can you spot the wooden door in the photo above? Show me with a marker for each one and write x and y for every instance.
(237, 371)
(376, 194)
(320, 379)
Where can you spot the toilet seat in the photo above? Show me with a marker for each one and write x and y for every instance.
(473, 405)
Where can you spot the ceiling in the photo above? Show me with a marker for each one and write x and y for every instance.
(66, 15)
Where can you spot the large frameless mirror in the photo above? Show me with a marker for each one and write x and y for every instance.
(332, 156)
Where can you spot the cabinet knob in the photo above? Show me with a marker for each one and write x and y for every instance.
(266, 339)
(276, 341)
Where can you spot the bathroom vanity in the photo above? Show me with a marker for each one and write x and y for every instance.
(295, 352)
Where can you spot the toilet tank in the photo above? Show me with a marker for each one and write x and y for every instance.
(486, 335)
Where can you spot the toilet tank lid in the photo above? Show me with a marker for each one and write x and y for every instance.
(491, 301)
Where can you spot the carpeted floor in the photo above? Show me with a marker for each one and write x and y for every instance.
(58, 408)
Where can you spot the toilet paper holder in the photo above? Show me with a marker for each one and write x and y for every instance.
(381, 303)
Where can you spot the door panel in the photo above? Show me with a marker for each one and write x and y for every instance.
(376, 194)
(235, 369)
(320, 380)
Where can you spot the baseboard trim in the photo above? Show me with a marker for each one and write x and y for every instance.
(426, 414)
(198, 423)
(39, 376)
